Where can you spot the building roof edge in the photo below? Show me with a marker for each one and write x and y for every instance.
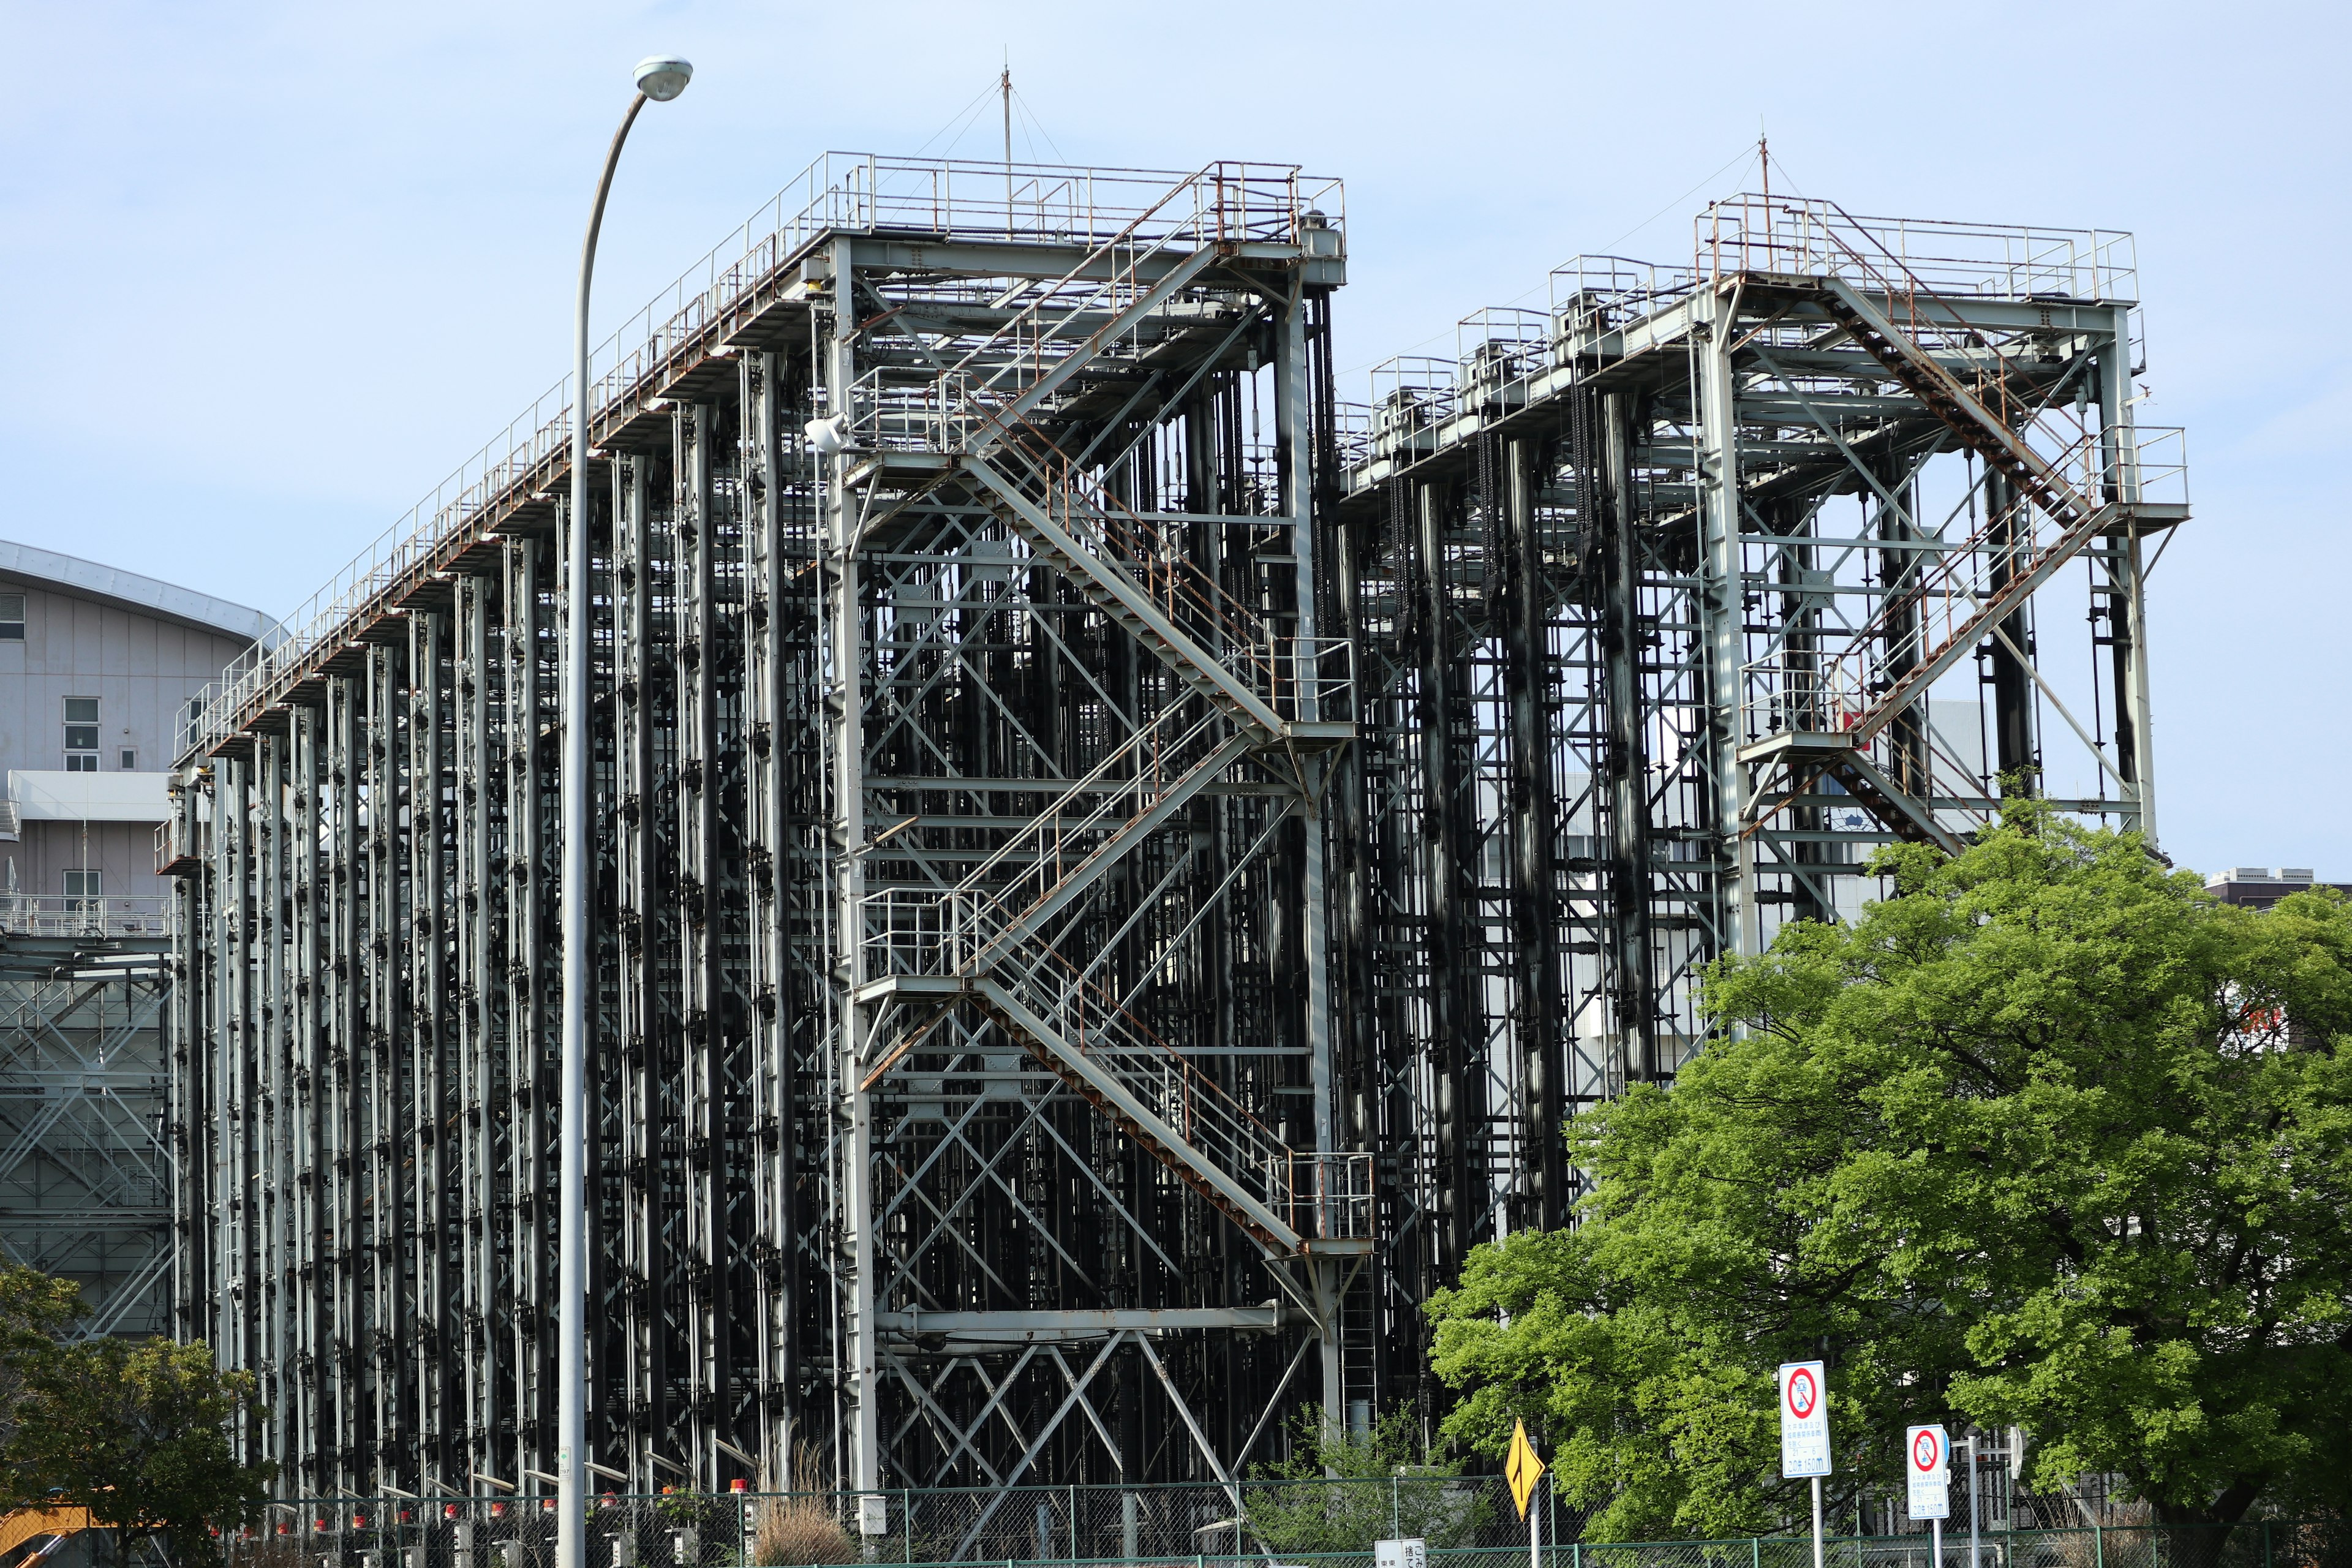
(129, 590)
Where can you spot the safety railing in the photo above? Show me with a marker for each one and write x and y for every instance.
(1326, 1196)
(1412, 396)
(1594, 294)
(1945, 597)
(1790, 235)
(1088, 1020)
(857, 193)
(933, 931)
(74, 915)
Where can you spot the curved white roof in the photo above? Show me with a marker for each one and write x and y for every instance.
(112, 584)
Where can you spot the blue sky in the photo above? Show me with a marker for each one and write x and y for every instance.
(273, 270)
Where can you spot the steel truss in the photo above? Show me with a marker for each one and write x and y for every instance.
(962, 733)
(85, 1174)
(1651, 594)
(1069, 793)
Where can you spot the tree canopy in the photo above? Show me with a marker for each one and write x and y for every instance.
(2049, 1138)
(136, 1432)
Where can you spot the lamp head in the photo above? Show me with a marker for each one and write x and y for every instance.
(662, 78)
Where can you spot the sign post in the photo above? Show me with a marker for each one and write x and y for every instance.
(1927, 1465)
(1523, 1469)
(1805, 1431)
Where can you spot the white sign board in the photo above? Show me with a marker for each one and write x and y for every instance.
(1411, 1552)
(1927, 1461)
(1804, 1419)
(873, 1515)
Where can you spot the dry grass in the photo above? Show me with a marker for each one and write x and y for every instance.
(800, 1529)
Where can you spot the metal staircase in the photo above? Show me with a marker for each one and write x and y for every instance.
(1825, 707)
(1993, 437)
(1251, 691)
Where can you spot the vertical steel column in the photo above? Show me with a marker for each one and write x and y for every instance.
(433, 1414)
(1454, 1014)
(634, 896)
(306, 1285)
(282, 1092)
(529, 721)
(1624, 641)
(1538, 1022)
(845, 701)
(478, 784)
(702, 1108)
(1722, 611)
(385, 1317)
(2126, 591)
(346, 888)
(761, 410)
(2015, 746)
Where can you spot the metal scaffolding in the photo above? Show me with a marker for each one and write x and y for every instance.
(1111, 865)
(1671, 605)
(85, 1174)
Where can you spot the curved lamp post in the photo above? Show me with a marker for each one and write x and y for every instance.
(659, 79)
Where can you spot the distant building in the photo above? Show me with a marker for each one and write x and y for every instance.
(97, 670)
(2260, 887)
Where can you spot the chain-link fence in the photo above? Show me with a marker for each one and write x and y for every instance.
(1465, 1522)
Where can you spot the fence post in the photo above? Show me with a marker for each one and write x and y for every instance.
(1755, 1552)
(2266, 1543)
(2098, 1545)
(907, 1522)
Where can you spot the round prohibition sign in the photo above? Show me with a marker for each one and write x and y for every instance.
(1802, 1393)
(1925, 1451)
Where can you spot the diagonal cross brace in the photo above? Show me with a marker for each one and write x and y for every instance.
(1202, 668)
(1904, 814)
(1119, 1102)
(1915, 681)
(1975, 425)
(1110, 331)
(1111, 850)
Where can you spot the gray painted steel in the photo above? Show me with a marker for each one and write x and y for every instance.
(85, 1167)
(1111, 865)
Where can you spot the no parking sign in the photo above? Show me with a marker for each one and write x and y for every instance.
(1805, 1420)
(1927, 1462)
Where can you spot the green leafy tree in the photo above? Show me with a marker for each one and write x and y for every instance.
(1340, 1491)
(137, 1433)
(2049, 1138)
(34, 1308)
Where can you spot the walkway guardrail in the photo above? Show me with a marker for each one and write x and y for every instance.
(1223, 203)
(71, 914)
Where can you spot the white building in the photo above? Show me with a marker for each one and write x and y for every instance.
(97, 669)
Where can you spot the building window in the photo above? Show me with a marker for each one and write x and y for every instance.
(12, 617)
(81, 734)
(129, 762)
(82, 885)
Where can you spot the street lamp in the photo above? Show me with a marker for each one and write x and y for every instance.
(660, 79)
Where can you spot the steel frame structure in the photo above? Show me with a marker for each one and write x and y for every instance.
(1111, 865)
(1672, 603)
(960, 731)
(85, 1173)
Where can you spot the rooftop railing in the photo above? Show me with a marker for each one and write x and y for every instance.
(945, 199)
(72, 914)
